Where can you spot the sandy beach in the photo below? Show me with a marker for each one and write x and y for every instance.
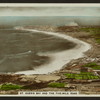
(59, 59)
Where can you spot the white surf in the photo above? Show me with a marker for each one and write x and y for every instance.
(59, 59)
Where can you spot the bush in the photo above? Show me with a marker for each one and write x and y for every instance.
(57, 85)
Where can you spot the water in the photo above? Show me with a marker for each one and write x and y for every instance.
(19, 50)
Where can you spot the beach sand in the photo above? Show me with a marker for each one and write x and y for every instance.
(59, 59)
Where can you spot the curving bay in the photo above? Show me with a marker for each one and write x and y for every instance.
(22, 50)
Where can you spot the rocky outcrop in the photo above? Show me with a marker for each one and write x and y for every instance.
(39, 78)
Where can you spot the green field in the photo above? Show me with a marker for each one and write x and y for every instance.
(9, 86)
(92, 65)
(57, 85)
(82, 76)
(95, 32)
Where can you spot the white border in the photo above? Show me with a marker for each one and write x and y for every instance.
(49, 96)
(49, 5)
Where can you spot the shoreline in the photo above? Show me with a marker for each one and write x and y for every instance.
(39, 82)
(63, 57)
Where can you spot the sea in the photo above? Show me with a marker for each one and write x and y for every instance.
(20, 49)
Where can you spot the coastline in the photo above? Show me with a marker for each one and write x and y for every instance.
(39, 82)
(58, 60)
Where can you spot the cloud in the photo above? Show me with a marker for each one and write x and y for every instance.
(50, 15)
(49, 11)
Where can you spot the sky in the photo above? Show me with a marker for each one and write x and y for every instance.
(50, 15)
(49, 11)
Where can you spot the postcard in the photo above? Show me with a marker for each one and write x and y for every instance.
(49, 49)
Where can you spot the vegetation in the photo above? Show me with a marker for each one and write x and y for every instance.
(82, 76)
(9, 86)
(98, 41)
(5, 26)
(95, 32)
(57, 85)
(92, 65)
